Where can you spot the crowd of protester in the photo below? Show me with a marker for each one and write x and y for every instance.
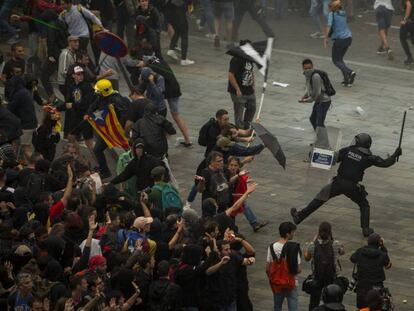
(72, 237)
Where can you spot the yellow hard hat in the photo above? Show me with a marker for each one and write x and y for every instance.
(104, 87)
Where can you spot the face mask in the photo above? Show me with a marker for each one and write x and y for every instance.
(307, 73)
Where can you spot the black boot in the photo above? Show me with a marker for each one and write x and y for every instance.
(367, 232)
(295, 216)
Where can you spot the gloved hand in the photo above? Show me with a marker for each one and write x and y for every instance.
(397, 152)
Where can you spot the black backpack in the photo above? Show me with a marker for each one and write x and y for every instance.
(327, 85)
(324, 263)
(203, 133)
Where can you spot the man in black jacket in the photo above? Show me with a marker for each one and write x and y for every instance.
(354, 160)
(22, 106)
(164, 294)
(140, 167)
(106, 96)
(56, 40)
(370, 262)
(153, 128)
(80, 96)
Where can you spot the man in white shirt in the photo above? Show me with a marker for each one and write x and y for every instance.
(288, 251)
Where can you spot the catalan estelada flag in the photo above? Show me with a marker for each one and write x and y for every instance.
(106, 124)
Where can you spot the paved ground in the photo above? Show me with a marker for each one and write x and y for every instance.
(383, 89)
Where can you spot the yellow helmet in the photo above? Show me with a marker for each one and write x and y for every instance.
(104, 87)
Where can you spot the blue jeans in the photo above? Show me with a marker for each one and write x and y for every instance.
(292, 300)
(250, 216)
(315, 10)
(98, 150)
(339, 48)
(207, 15)
(279, 8)
(7, 7)
(318, 116)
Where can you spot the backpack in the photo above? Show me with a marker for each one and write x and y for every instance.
(62, 34)
(35, 186)
(203, 133)
(327, 85)
(324, 263)
(280, 277)
(170, 197)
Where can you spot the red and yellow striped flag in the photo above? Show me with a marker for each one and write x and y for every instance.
(106, 124)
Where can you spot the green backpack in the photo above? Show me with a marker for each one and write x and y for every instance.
(170, 197)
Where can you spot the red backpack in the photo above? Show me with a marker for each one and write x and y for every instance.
(280, 278)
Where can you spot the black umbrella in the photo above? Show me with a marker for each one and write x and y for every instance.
(271, 143)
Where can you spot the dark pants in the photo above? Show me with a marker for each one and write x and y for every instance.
(407, 31)
(98, 150)
(178, 20)
(339, 48)
(315, 297)
(337, 187)
(240, 8)
(47, 71)
(318, 115)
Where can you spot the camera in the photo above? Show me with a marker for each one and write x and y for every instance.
(387, 303)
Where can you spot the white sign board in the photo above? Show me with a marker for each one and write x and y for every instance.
(322, 158)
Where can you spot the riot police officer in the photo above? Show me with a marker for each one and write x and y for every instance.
(354, 160)
(332, 296)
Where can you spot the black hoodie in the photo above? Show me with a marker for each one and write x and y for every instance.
(165, 295)
(152, 128)
(145, 32)
(140, 168)
(21, 103)
(370, 261)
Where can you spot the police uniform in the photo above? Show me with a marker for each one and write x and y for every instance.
(354, 160)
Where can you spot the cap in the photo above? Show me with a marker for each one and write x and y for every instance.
(158, 171)
(140, 222)
(77, 69)
(23, 250)
(224, 143)
(139, 143)
(73, 38)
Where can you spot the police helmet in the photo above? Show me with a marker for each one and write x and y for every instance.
(332, 293)
(363, 140)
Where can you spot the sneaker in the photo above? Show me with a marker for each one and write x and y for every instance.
(209, 35)
(390, 54)
(351, 78)
(177, 48)
(381, 50)
(173, 55)
(408, 61)
(199, 27)
(187, 62)
(317, 35)
(216, 41)
(13, 40)
(367, 231)
(295, 216)
(260, 225)
(187, 145)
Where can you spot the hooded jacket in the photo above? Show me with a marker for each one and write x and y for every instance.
(165, 295)
(154, 91)
(140, 168)
(370, 261)
(146, 32)
(21, 103)
(9, 125)
(152, 128)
